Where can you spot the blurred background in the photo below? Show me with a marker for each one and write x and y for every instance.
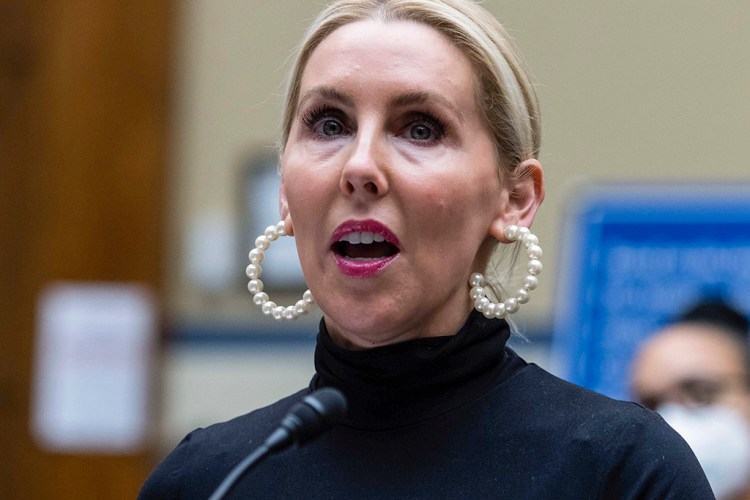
(136, 150)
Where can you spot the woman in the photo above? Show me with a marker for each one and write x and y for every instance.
(409, 151)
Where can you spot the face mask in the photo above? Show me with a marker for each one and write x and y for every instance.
(720, 438)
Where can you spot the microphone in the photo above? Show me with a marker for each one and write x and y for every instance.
(306, 420)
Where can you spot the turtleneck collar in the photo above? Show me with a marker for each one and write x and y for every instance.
(401, 384)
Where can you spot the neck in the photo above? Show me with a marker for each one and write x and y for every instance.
(448, 320)
(418, 378)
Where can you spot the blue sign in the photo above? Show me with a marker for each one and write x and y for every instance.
(633, 258)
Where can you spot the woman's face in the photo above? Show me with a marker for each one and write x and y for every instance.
(390, 183)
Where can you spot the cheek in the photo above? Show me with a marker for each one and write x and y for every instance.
(465, 200)
(308, 199)
(306, 203)
(451, 222)
(302, 181)
(295, 194)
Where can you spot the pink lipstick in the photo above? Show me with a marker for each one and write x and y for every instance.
(363, 248)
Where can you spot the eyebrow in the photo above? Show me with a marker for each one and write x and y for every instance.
(329, 93)
(420, 97)
(404, 99)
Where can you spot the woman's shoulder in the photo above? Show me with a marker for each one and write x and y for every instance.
(560, 403)
(207, 454)
(601, 433)
(533, 382)
(250, 427)
(630, 448)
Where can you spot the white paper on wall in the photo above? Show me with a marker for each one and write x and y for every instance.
(92, 367)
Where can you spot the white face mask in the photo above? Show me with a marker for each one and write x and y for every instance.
(720, 438)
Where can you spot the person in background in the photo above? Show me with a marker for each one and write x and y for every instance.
(409, 154)
(696, 373)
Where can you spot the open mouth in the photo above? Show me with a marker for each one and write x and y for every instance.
(364, 245)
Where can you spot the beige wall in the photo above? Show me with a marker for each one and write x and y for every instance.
(630, 91)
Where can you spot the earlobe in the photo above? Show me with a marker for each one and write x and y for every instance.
(524, 196)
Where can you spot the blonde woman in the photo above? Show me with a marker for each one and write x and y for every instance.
(408, 155)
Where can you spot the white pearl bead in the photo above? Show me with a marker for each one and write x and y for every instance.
(481, 303)
(511, 305)
(476, 279)
(260, 298)
(534, 252)
(301, 307)
(278, 312)
(262, 242)
(253, 271)
(523, 232)
(289, 313)
(254, 286)
(256, 256)
(280, 228)
(500, 311)
(530, 239)
(535, 266)
(522, 296)
(268, 307)
(511, 232)
(530, 282)
(476, 292)
(271, 233)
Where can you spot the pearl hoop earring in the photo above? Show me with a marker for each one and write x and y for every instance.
(530, 282)
(255, 286)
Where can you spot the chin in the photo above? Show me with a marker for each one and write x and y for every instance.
(362, 327)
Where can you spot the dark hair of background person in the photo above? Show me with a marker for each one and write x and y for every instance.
(716, 311)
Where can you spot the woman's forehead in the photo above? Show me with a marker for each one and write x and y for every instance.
(400, 49)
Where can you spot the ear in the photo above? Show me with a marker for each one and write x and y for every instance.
(284, 210)
(524, 196)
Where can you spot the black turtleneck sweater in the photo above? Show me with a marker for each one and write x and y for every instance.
(447, 417)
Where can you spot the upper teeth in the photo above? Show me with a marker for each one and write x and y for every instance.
(363, 237)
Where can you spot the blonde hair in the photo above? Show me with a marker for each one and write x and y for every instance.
(504, 90)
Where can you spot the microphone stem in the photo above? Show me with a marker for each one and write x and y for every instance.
(238, 471)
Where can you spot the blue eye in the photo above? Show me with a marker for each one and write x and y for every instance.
(325, 122)
(424, 128)
(420, 133)
(331, 127)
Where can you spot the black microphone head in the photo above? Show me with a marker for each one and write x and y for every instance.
(309, 418)
(316, 413)
(330, 403)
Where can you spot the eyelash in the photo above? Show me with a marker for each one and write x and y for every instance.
(312, 118)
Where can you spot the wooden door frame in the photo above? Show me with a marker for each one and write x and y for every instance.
(84, 132)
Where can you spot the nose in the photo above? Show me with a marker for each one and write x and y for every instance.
(363, 175)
